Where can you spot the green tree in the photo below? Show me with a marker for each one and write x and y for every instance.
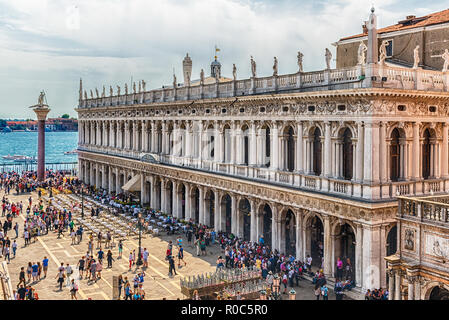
(3, 123)
(65, 116)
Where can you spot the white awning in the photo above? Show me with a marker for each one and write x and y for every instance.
(133, 184)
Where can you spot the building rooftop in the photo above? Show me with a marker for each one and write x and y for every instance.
(410, 22)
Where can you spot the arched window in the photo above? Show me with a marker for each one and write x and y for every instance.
(347, 155)
(395, 155)
(288, 146)
(426, 150)
(245, 145)
(316, 152)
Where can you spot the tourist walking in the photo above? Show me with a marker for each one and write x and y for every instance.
(45, 266)
(61, 276)
(171, 263)
(109, 258)
(120, 249)
(80, 266)
(73, 290)
(317, 291)
(120, 286)
(181, 256)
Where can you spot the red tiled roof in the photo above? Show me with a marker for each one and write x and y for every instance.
(431, 19)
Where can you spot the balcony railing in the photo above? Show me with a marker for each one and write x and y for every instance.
(348, 188)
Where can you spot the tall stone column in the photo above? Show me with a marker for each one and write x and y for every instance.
(253, 234)
(233, 214)
(118, 187)
(274, 227)
(411, 287)
(175, 200)
(299, 238)
(397, 286)
(444, 153)
(391, 279)
(41, 111)
(358, 254)
(252, 145)
(327, 247)
(217, 211)
(416, 152)
(188, 153)
(188, 202)
(383, 152)
(201, 204)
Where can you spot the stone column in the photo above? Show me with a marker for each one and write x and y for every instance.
(274, 154)
(118, 187)
(233, 214)
(391, 284)
(97, 176)
(217, 211)
(188, 202)
(416, 152)
(217, 142)
(274, 227)
(175, 200)
(411, 287)
(252, 145)
(299, 238)
(253, 235)
(164, 133)
(327, 247)
(397, 286)
(233, 148)
(201, 204)
(41, 113)
(153, 192)
(383, 152)
(444, 152)
(358, 254)
(103, 176)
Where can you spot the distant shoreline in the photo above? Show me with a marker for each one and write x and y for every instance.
(46, 131)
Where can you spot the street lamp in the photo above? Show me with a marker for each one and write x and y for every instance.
(140, 224)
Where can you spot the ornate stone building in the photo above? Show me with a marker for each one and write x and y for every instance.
(313, 161)
(418, 271)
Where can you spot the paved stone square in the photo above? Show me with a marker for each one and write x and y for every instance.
(157, 284)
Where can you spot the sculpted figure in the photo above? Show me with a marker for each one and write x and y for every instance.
(126, 88)
(174, 80)
(300, 56)
(103, 94)
(253, 67)
(445, 56)
(111, 91)
(96, 92)
(140, 87)
(361, 53)
(234, 71)
(328, 56)
(202, 76)
(118, 90)
(416, 57)
(275, 67)
(134, 87)
(143, 85)
(383, 52)
(91, 94)
(85, 95)
(40, 100)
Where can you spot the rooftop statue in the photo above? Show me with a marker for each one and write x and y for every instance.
(300, 56)
(111, 91)
(445, 56)
(96, 92)
(416, 57)
(275, 67)
(234, 71)
(134, 87)
(253, 67)
(202, 76)
(140, 87)
(103, 94)
(383, 52)
(143, 85)
(361, 53)
(126, 88)
(328, 56)
(91, 94)
(85, 95)
(118, 90)
(174, 80)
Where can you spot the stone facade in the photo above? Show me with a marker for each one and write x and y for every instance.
(313, 161)
(418, 271)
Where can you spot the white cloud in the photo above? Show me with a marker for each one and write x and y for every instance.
(51, 43)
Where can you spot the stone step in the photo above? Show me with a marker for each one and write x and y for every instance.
(355, 293)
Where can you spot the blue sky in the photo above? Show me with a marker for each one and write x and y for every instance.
(50, 44)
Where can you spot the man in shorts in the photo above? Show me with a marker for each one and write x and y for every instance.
(81, 266)
(45, 266)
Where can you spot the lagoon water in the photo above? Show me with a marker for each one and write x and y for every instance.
(25, 143)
